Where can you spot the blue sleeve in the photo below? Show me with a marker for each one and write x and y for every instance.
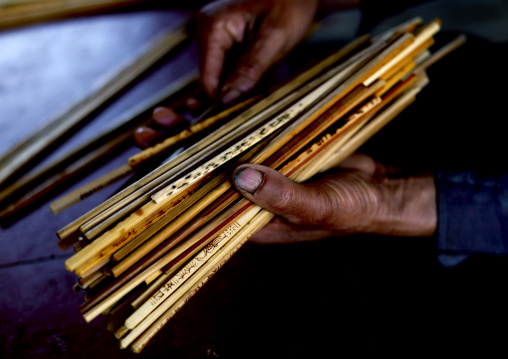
(472, 212)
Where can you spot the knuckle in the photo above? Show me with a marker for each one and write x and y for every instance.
(251, 71)
(322, 210)
(284, 200)
(304, 207)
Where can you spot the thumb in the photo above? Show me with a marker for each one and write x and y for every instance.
(298, 203)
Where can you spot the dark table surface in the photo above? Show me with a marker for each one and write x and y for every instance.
(349, 297)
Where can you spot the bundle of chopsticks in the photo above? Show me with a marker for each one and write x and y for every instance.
(144, 252)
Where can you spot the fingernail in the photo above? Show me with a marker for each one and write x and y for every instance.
(249, 179)
(230, 95)
(146, 137)
(165, 116)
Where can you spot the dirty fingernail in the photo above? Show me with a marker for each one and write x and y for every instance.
(249, 179)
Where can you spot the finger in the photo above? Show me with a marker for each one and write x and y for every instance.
(169, 119)
(167, 122)
(359, 162)
(367, 165)
(280, 231)
(299, 204)
(266, 49)
(217, 35)
(146, 136)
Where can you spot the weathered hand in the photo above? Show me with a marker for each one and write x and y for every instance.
(263, 31)
(266, 30)
(360, 197)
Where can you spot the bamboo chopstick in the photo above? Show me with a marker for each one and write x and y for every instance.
(57, 182)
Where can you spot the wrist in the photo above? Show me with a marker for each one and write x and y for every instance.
(406, 207)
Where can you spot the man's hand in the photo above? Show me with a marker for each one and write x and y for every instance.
(239, 40)
(264, 30)
(362, 197)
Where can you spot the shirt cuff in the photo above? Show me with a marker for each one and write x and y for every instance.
(472, 212)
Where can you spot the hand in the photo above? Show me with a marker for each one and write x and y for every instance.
(265, 30)
(361, 197)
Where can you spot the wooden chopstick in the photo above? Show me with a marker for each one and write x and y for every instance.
(58, 181)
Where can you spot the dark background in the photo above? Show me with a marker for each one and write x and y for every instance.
(360, 296)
